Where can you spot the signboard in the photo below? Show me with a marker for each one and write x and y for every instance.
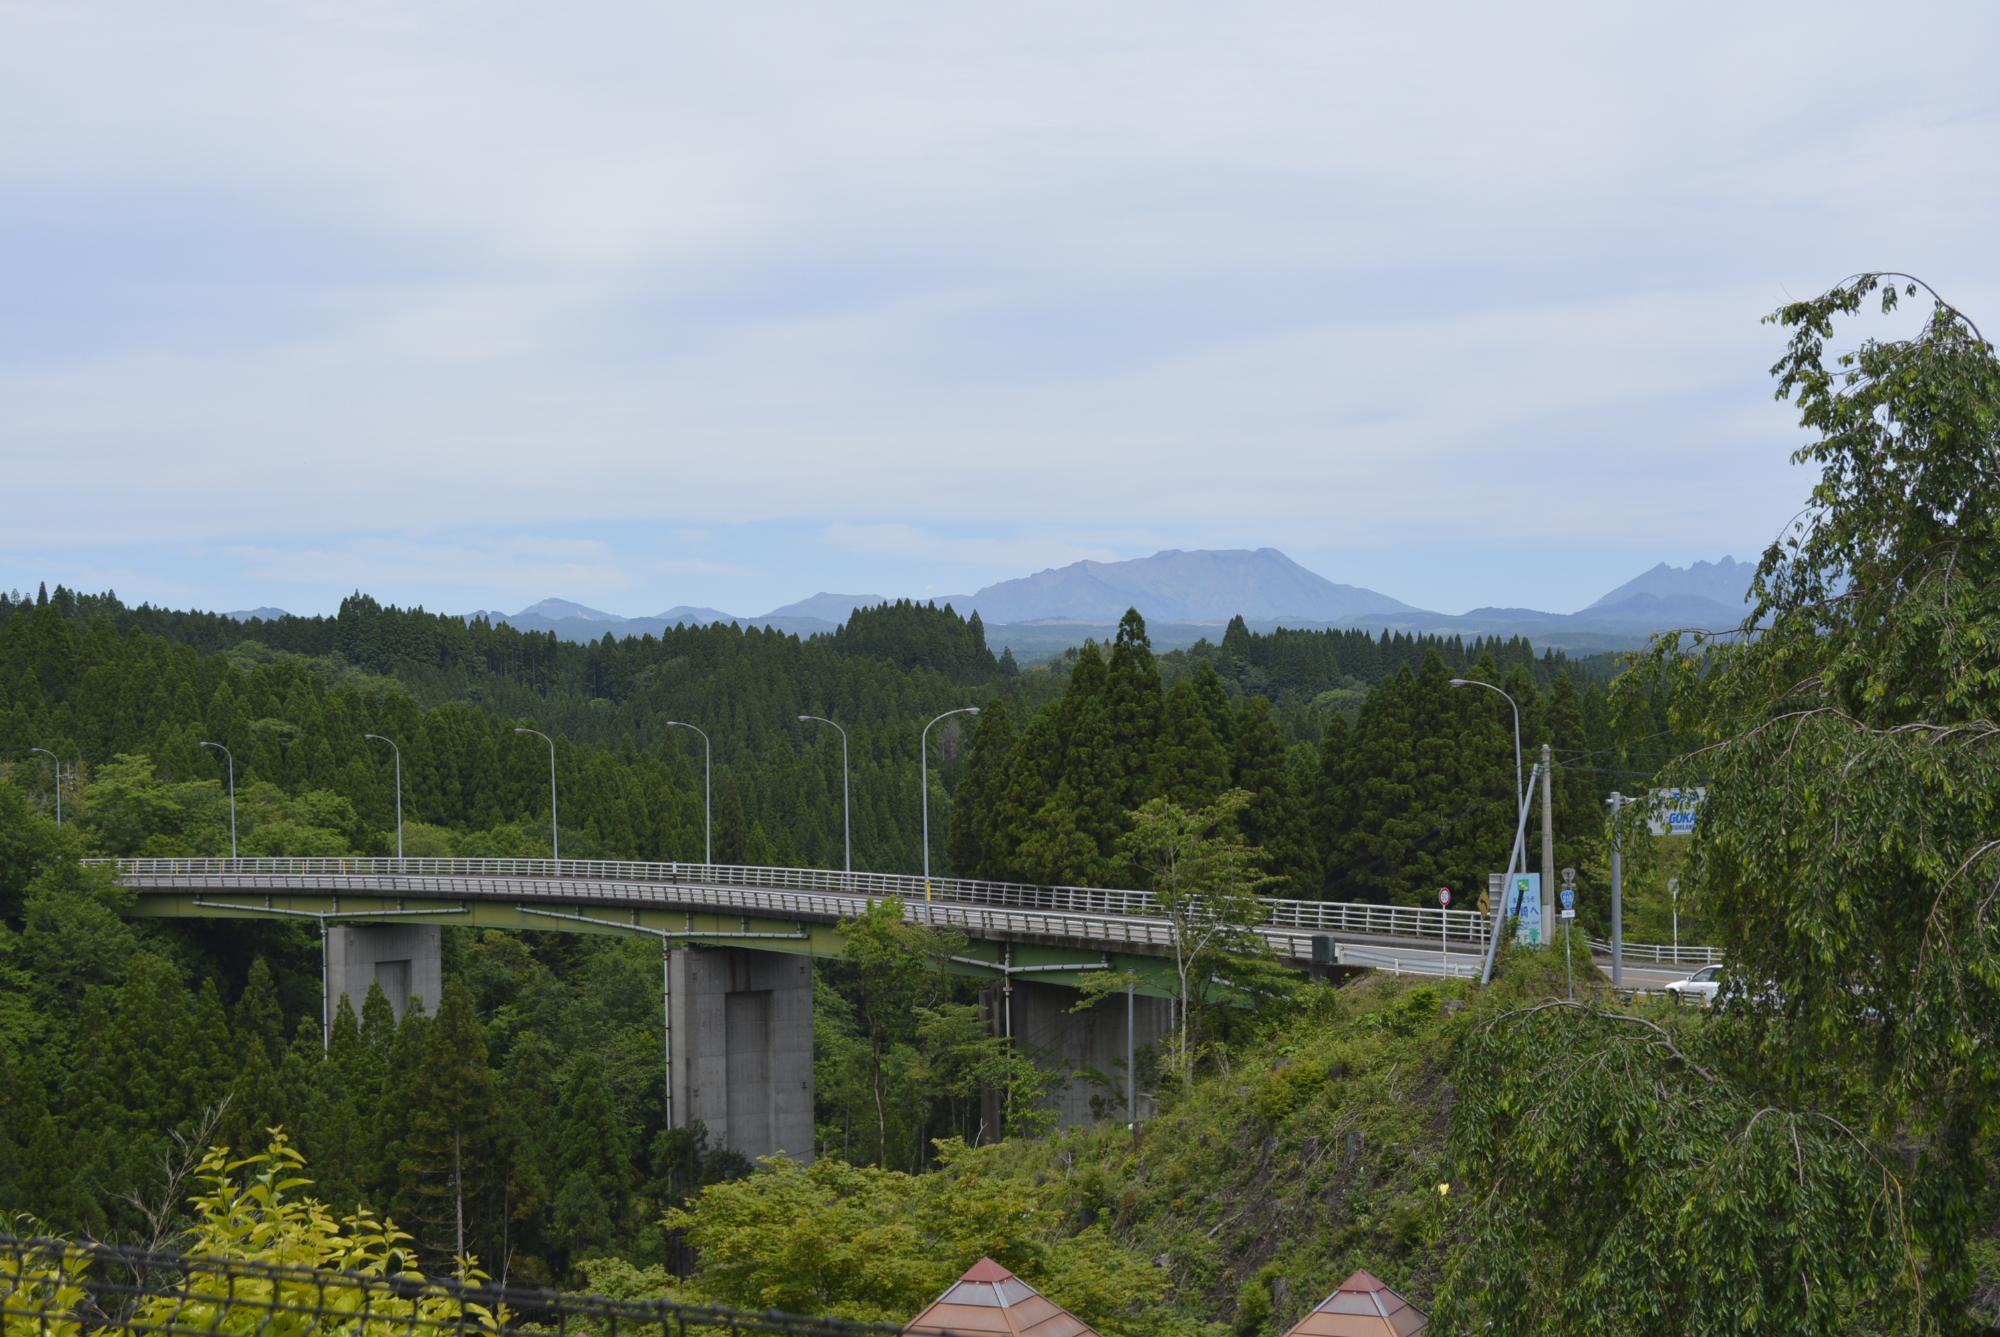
(1444, 897)
(1569, 902)
(1672, 811)
(1521, 902)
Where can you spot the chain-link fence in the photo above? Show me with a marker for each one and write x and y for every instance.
(50, 1288)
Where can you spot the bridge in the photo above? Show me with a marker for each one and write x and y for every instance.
(738, 942)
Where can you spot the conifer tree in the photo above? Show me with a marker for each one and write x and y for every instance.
(1190, 766)
(447, 1159)
(1275, 820)
(594, 1163)
(1133, 701)
(974, 803)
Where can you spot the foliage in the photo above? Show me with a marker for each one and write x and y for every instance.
(1205, 879)
(319, 1276)
(903, 1056)
(1318, 1150)
(866, 1243)
(1812, 1159)
(1711, 1210)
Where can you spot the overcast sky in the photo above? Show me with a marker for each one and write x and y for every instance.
(470, 303)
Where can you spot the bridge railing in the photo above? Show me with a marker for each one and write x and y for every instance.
(509, 876)
(1350, 918)
(1662, 953)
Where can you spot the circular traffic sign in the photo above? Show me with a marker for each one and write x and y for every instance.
(1444, 897)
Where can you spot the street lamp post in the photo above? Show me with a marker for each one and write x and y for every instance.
(555, 828)
(707, 808)
(1516, 856)
(924, 758)
(58, 764)
(1618, 803)
(846, 824)
(230, 758)
(1519, 796)
(399, 788)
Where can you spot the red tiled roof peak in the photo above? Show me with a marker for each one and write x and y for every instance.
(986, 1270)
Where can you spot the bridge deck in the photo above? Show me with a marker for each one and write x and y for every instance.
(1408, 938)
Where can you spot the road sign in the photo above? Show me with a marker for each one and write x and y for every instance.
(1444, 897)
(1521, 902)
(1673, 811)
(1569, 902)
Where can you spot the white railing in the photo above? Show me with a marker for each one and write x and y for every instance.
(829, 893)
(1351, 918)
(1662, 953)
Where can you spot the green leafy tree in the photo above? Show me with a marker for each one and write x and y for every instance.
(1205, 879)
(1820, 1145)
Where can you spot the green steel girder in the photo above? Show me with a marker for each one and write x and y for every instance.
(1151, 975)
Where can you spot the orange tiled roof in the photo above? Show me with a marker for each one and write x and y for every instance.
(1362, 1307)
(990, 1299)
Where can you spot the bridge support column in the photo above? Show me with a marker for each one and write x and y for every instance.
(1089, 1048)
(402, 958)
(742, 1060)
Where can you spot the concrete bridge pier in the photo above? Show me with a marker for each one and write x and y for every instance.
(402, 958)
(1089, 1048)
(741, 1057)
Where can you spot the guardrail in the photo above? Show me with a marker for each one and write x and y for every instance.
(1662, 953)
(1389, 921)
(796, 891)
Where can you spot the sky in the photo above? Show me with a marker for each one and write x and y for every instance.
(466, 303)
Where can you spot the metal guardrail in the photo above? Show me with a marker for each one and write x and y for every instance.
(1662, 953)
(52, 1288)
(985, 908)
(1392, 921)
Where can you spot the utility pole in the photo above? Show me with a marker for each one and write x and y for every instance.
(1617, 802)
(1548, 838)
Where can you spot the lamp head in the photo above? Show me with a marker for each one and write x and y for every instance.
(1461, 682)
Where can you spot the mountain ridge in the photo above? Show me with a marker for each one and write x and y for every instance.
(1189, 595)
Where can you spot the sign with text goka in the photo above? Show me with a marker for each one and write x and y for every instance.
(1673, 811)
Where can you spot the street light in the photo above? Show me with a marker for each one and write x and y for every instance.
(399, 787)
(924, 758)
(58, 762)
(707, 808)
(232, 793)
(555, 830)
(1674, 890)
(846, 825)
(1520, 795)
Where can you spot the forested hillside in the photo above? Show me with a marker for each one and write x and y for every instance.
(126, 697)
(119, 1039)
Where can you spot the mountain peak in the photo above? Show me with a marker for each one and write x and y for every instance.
(1205, 586)
(826, 607)
(557, 609)
(1726, 582)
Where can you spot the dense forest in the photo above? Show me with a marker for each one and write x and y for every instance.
(117, 1037)
(127, 696)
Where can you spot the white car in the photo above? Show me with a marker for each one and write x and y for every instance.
(1699, 987)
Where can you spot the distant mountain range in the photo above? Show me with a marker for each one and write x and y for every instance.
(1724, 582)
(1186, 596)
